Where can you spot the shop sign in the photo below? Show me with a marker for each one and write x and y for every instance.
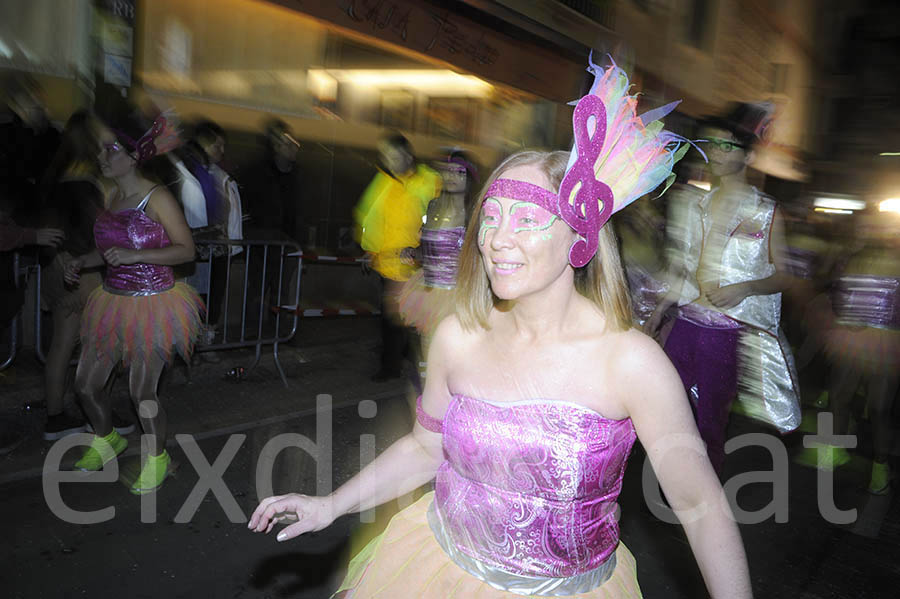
(444, 35)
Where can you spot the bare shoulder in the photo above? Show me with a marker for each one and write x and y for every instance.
(450, 335)
(633, 350)
(641, 372)
(161, 202)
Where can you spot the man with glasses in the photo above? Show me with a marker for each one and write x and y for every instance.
(725, 251)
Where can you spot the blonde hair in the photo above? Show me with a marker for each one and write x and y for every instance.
(601, 280)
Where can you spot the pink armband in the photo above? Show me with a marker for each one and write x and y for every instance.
(427, 422)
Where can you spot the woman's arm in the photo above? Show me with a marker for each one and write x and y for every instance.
(665, 426)
(413, 460)
(72, 269)
(162, 208)
(403, 467)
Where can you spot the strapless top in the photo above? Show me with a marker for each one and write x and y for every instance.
(440, 252)
(526, 497)
(801, 262)
(132, 229)
(867, 300)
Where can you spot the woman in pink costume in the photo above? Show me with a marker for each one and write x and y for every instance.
(863, 346)
(428, 296)
(140, 317)
(536, 390)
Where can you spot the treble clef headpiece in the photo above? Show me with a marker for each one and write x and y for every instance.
(617, 157)
(161, 137)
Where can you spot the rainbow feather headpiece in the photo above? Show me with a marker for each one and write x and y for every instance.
(617, 157)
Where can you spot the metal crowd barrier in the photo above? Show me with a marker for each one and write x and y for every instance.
(258, 326)
(267, 329)
(348, 310)
(13, 325)
(25, 267)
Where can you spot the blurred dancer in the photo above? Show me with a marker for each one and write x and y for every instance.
(864, 346)
(536, 392)
(728, 282)
(140, 317)
(388, 225)
(427, 297)
(806, 311)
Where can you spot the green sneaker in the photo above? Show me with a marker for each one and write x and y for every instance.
(154, 472)
(880, 483)
(823, 457)
(101, 451)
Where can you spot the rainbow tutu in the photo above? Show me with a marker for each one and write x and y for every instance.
(868, 350)
(407, 561)
(125, 328)
(424, 307)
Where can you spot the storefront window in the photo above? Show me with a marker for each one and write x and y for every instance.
(25, 44)
(266, 57)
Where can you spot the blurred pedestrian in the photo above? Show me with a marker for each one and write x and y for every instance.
(12, 293)
(273, 187)
(388, 221)
(217, 218)
(213, 139)
(274, 196)
(28, 142)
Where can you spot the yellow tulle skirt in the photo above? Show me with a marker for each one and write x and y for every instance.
(406, 561)
(122, 328)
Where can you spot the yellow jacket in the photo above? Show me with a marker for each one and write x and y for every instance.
(389, 218)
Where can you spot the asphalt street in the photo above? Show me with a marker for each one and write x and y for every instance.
(194, 541)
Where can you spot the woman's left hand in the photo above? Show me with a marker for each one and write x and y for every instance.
(119, 256)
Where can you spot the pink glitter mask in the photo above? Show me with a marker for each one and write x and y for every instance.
(583, 202)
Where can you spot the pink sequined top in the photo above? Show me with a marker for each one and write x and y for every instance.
(526, 496)
(132, 229)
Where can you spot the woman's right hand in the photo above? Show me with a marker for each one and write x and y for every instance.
(308, 514)
(72, 271)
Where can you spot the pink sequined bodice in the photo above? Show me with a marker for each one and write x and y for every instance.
(530, 488)
(133, 229)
